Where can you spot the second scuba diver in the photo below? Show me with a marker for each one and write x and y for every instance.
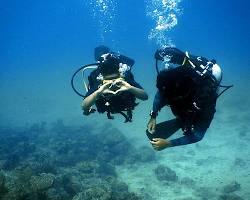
(191, 89)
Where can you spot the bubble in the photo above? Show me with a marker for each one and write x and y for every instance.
(104, 13)
(165, 15)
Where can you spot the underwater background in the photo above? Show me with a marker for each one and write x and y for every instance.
(49, 150)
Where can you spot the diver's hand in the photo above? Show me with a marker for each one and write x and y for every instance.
(123, 86)
(160, 144)
(108, 91)
(105, 87)
(151, 125)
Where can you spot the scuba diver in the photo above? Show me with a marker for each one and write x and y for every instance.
(190, 86)
(112, 87)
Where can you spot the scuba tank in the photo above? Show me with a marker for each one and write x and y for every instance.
(200, 65)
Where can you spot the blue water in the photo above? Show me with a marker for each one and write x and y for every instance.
(44, 42)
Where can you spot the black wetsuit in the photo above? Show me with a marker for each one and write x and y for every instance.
(195, 109)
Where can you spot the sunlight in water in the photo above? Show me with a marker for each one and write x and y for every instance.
(164, 13)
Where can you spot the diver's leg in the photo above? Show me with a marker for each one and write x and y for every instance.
(199, 131)
(189, 138)
(165, 129)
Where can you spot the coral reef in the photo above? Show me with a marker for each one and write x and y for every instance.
(164, 173)
(64, 163)
(41, 182)
(143, 154)
(232, 187)
(239, 162)
(230, 197)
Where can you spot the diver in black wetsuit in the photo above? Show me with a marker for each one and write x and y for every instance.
(112, 87)
(191, 90)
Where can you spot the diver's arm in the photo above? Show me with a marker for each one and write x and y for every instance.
(125, 86)
(135, 87)
(188, 139)
(160, 144)
(139, 93)
(159, 103)
(91, 99)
